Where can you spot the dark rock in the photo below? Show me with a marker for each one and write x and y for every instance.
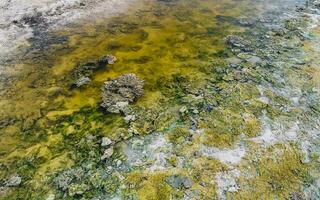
(119, 92)
(81, 74)
(34, 20)
(237, 42)
(209, 108)
(179, 182)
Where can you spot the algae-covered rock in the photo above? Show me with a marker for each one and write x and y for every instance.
(237, 42)
(64, 179)
(107, 153)
(81, 74)
(78, 189)
(82, 81)
(119, 92)
(179, 182)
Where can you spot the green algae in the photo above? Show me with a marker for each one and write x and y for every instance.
(151, 186)
(177, 51)
(277, 174)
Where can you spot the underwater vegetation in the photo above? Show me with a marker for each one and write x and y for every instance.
(173, 100)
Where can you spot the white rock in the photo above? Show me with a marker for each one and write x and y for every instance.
(130, 118)
(13, 181)
(107, 153)
(183, 109)
(105, 142)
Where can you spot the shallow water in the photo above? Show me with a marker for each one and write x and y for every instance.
(241, 133)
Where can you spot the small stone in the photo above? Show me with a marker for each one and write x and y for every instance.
(195, 111)
(82, 81)
(179, 182)
(14, 181)
(234, 61)
(130, 118)
(254, 59)
(209, 108)
(105, 142)
(237, 42)
(119, 162)
(107, 153)
(183, 109)
(111, 59)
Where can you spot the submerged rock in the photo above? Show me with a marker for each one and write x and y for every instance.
(78, 189)
(64, 179)
(111, 59)
(105, 142)
(82, 81)
(119, 92)
(130, 118)
(107, 153)
(82, 73)
(237, 42)
(14, 181)
(6, 122)
(247, 21)
(179, 182)
(254, 60)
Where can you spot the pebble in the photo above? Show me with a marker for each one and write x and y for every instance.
(119, 162)
(130, 118)
(105, 142)
(183, 109)
(107, 153)
(234, 61)
(254, 59)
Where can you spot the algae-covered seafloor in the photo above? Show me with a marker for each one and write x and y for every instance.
(167, 99)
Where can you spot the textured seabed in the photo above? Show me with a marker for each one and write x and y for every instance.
(230, 105)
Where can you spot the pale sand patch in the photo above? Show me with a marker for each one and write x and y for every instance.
(15, 32)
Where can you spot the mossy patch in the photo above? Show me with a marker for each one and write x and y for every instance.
(150, 186)
(278, 173)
